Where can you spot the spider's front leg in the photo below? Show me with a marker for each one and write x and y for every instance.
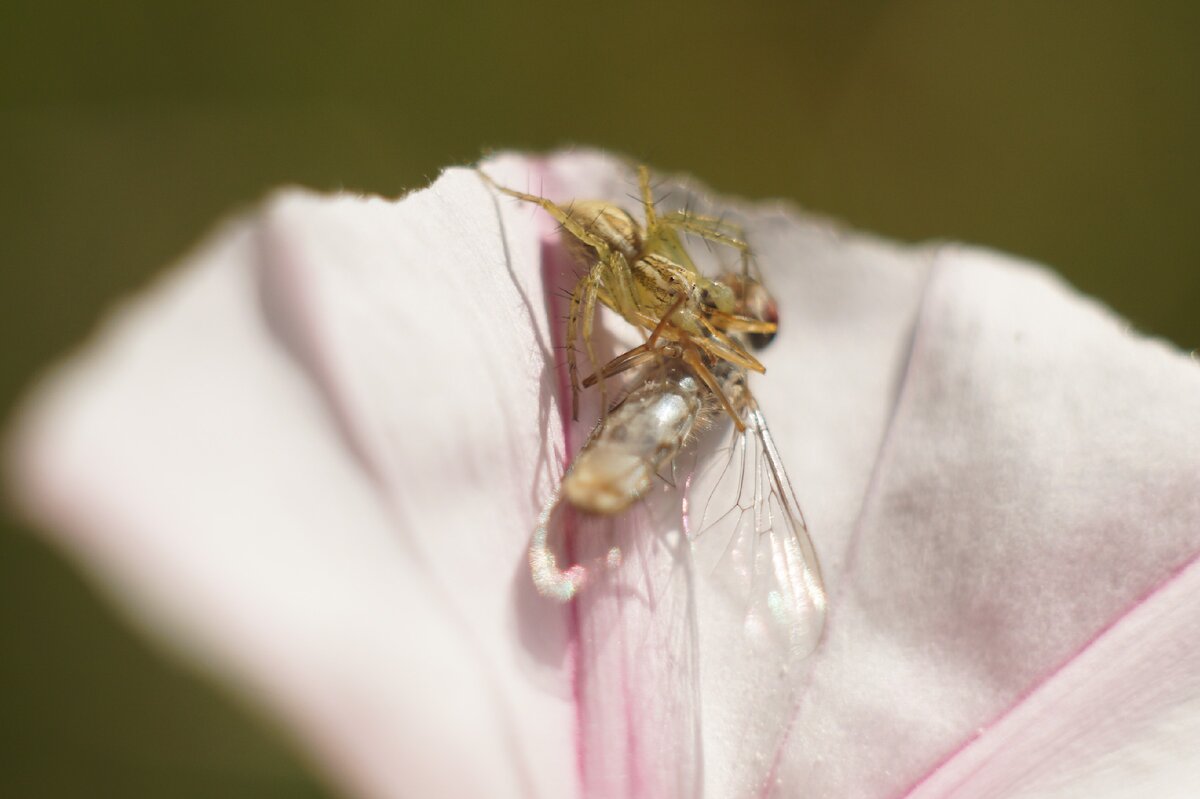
(693, 358)
(562, 216)
(714, 229)
(618, 279)
(642, 353)
(647, 197)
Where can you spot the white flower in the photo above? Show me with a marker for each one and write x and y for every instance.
(312, 458)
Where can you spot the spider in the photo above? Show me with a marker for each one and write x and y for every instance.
(644, 273)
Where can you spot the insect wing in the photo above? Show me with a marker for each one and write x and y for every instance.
(796, 596)
(752, 545)
(760, 602)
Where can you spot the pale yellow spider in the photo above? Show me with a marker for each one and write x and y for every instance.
(645, 274)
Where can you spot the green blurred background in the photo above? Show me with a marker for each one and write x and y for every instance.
(1066, 132)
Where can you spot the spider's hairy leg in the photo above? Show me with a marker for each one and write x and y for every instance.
(719, 335)
(736, 323)
(717, 345)
(647, 197)
(724, 348)
(582, 297)
(627, 360)
(588, 290)
(662, 323)
(561, 215)
(720, 226)
(619, 285)
(641, 353)
(714, 229)
(693, 358)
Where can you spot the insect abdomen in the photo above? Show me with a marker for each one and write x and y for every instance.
(642, 435)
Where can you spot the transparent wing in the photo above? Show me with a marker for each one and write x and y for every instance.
(692, 631)
(751, 543)
(760, 602)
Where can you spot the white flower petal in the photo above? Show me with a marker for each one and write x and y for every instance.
(1122, 718)
(1039, 478)
(978, 490)
(316, 452)
(314, 457)
(668, 707)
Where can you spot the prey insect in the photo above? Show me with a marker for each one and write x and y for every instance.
(644, 273)
(739, 510)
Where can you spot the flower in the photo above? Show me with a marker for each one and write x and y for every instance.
(313, 455)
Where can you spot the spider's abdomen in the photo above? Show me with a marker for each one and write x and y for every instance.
(609, 222)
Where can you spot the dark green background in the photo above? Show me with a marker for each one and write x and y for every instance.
(1066, 132)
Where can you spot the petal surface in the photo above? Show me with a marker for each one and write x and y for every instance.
(995, 471)
(672, 703)
(313, 458)
(1037, 482)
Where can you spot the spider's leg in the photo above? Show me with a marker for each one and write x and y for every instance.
(620, 282)
(582, 298)
(692, 357)
(589, 315)
(736, 323)
(731, 351)
(718, 346)
(639, 354)
(647, 197)
(714, 229)
(560, 214)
